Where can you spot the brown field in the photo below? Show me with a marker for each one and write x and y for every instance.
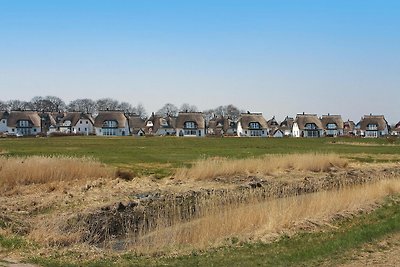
(78, 204)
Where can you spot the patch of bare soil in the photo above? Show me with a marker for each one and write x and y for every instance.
(384, 253)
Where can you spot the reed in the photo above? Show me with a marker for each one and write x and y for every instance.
(40, 170)
(222, 167)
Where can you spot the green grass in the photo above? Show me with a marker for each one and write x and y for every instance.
(160, 156)
(304, 249)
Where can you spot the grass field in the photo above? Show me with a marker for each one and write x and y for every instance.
(159, 156)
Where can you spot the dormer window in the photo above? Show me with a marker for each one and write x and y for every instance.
(23, 123)
(190, 125)
(67, 123)
(310, 126)
(331, 126)
(164, 122)
(372, 127)
(149, 124)
(110, 124)
(254, 125)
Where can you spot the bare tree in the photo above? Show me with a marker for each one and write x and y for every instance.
(126, 108)
(16, 104)
(3, 106)
(188, 108)
(83, 105)
(107, 104)
(57, 104)
(168, 110)
(140, 110)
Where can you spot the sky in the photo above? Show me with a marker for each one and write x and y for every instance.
(278, 57)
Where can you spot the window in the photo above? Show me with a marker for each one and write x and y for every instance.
(80, 122)
(23, 123)
(110, 124)
(254, 125)
(372, 127)
(311, 126)
(109, 131)
(190, 132)
(255, 133)
(190, 125)
(87, 122)
(331, 126)
(79, 129)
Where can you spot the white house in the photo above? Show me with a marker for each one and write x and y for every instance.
(190, 124)
(252, 125)
(373, 126)
(111, 123)
(77, 123)
(24, 122)
(307, 125)
(3, 121)
(333, 125)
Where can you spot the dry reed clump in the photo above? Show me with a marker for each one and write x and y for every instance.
(41, 170)
(216, 167)
(260, 218)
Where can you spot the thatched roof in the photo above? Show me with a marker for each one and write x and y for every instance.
(74, 117)
(4, 115)
(159, 121)
(136, 122)
(303, 119)
(31, 116)
(379, 120)
(349, 125)
(117, 116)
(196, 117)
(247, 118)
(334, 119)
(220, 122)
(272, 123)
(286, 124)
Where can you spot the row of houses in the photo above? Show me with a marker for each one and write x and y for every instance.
(116, 123)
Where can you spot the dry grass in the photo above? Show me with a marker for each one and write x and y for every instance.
(40, 170)
(260, 219)
(221, 167)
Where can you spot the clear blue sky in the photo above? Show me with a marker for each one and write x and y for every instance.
(278, 57)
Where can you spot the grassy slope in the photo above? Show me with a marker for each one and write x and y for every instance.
(304, 249)
(161, 155)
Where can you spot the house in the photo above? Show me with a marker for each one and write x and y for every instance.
(111, 123)
(137, 125)
(77, 123)
(396, 129)
(24, 123)
(220, 126)
(332, 125)
(190, 124)
(49, 123)
(3, 121)
(349, 128)
(252, 125)
(286, 126)
(273, 125)
(278, 133)
(373, 126)
(307, 125)
(158, 125)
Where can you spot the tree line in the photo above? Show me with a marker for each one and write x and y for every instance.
(86, 105)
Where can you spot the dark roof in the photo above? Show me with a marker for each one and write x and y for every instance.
(117, 116)
(335, 119)
(31, 116)
(303, 119)
(349, 125)
(196, 117)
(220, 122)
(379, 120)
(286, 124)
(246, 118)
